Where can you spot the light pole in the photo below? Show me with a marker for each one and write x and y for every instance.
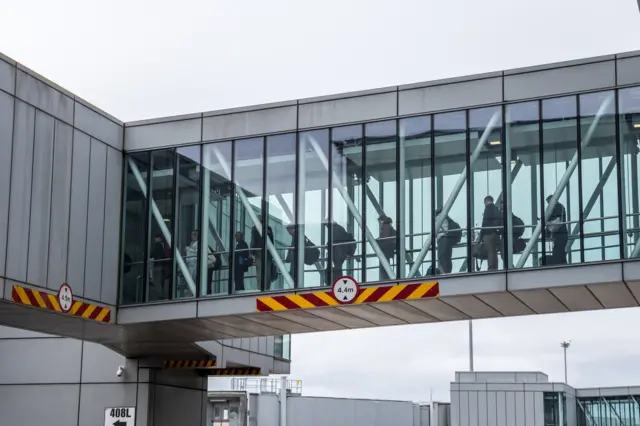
(471, 345)
(565, 346)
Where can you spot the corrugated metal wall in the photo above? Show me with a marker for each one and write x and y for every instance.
(59, 189)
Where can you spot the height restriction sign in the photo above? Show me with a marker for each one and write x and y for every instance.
(345, 289)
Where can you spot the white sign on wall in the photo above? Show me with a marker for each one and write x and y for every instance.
(120, 416)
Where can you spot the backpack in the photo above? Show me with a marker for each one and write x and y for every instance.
(519, 245)
(454, 232)
(311, 252)
(518, 227)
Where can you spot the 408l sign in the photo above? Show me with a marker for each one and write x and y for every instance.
(120, 416)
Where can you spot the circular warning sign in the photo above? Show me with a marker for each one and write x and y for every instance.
(65, 297)
(345, 289)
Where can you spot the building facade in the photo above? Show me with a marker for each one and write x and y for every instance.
(477, 399)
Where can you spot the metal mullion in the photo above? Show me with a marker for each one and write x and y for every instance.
(123, 230)
(603, 243)
(579, 143)
(432, 171)
(232, 219)
(329, 263)
(467, 159)
(263, 218)
(399, 188)
(541, 212)
(622, 209)
(296, 213)
(507, 208)
(148, 228)
(363, 201)
(204, 231)
(174, 226)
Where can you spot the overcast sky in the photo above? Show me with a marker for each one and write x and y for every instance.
(142, 59)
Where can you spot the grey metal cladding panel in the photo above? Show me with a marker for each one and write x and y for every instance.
(100, 362)
(7, 76)
(39, 405)
(559, 80)
(95, 220)
(162, 134)
(60, 199)
(629, 71)
(347, 110)
(6, 141)
(520, 410)
(248, 123)
(78, 212)
(450, 96)
(177, 406)
(529, 409)
(98, 126)
(455, 408)
(94, 398)
(111, 245)
(539, 408)
(483, 409)
(49, 361)
(20, 198)
(40, 200)
(464, 408)
(39, 94)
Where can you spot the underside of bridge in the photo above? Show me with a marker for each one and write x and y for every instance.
(172, 330)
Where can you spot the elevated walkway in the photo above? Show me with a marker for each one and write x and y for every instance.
(172, 328)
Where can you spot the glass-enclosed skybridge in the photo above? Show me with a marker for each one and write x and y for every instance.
(508, 193)
(518, 208)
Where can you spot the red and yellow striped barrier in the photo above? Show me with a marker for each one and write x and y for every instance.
(203, 363)
(365, 295)
(44, 300)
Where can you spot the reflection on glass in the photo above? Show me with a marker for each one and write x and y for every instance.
(561, 181)
(188, 216)
(161, 253)
(217, 212)
(599, 179)
(248, 221)
(313, 214)
(416, 180)
(524, 196)
(450, 193)
(381, 195)
(630, 152)
(281, 186)
(135, 228)
(486, 161)
(609, 411)
(348, 181)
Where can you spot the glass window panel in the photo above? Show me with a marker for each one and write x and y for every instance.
(451, 192)
(313, 205)
(560, 146)
(281, 188)
(486, 164)
(135, 228)
(416, 179)
(217, 216)
(599, 178)
(381, 195)
(348, 185)
(188, 220)
(160, 250)
(525, 191)
(630, 152)
(248, 176)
